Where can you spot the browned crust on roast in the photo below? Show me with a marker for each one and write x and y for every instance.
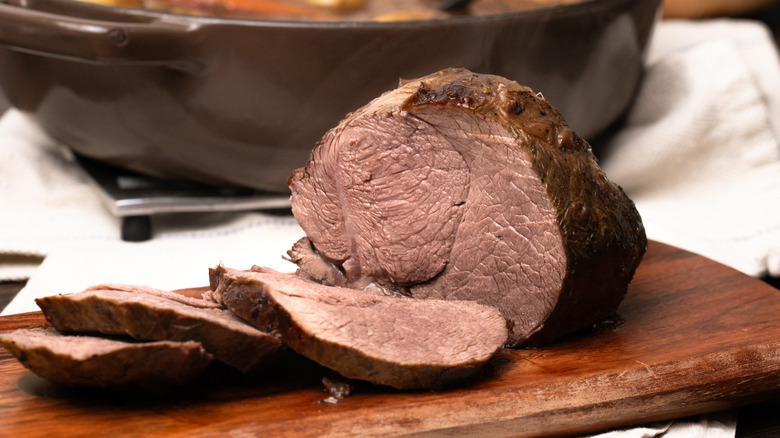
(106, 363)
(248, 295)
(151, 317)
(603, 234)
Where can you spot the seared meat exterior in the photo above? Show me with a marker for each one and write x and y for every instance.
(99, 362)
(465, 186)
(388, 340)
(135, 312)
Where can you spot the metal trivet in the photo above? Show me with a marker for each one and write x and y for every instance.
(135, 197)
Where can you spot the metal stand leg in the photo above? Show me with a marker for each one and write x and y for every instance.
(136, 228)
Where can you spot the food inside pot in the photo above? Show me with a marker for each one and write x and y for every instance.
(335, 10)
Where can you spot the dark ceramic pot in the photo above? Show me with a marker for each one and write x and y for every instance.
(242, 102)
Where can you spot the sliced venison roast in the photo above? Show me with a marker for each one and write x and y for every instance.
(190, 300)
(149, 316)
(388, 340)
(466, 186)
(100, 362)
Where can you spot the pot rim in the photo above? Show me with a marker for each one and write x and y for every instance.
(578, 7)
(101, 34)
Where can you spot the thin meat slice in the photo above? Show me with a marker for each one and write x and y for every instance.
(100, 362)
(194, 301)
(465, 186)
(389, 340)
(145, 316)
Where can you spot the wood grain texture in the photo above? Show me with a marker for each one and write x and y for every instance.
(696, 337)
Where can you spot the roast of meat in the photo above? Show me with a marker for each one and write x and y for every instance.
(446, 218)
(389, 340)
(469, 187)
(100, 362)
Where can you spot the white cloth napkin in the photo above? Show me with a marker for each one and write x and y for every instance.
(699, 154)
(717, 425)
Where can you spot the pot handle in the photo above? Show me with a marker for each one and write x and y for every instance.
(163, 42)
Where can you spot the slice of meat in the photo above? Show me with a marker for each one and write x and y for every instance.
(471, 187)
(388, 340)
(99, 362)
(194, 301)
(144, 316)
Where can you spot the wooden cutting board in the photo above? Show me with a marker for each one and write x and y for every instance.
(696, 337)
